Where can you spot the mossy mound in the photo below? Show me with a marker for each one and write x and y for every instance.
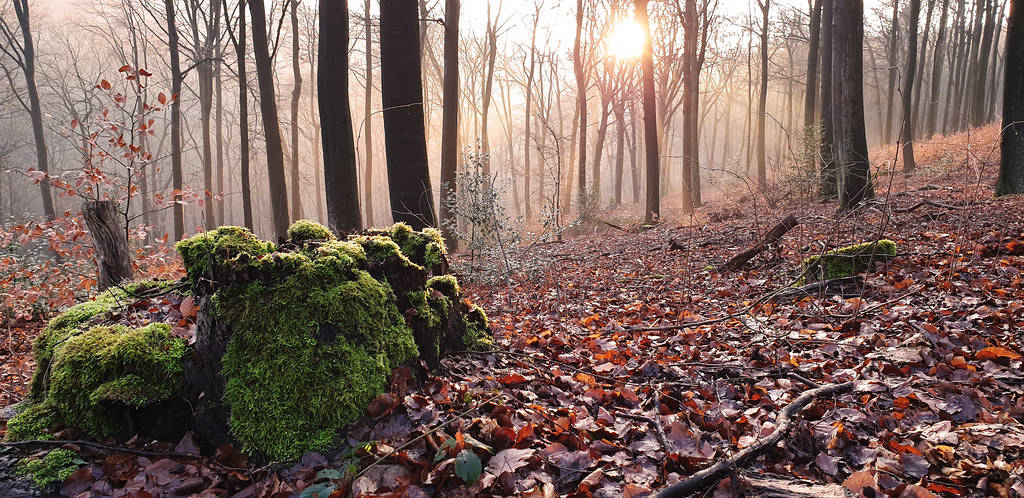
(93, 375)
(312, 330)
(52, 469)
(846, 261)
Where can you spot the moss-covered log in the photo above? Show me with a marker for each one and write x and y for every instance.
(291, 343)
(846, 261)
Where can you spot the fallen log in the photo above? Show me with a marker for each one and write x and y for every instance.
(845, 287)
(771, 237)
(710, 476)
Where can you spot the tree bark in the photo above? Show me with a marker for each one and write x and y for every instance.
(450, 124)
(110, 241)
(271, 128)
(813, 57)
(219, 128)
(978, 112)
(893, 58)
(1011, 166)
(848, 102)
(367, 114)
(341, 184)
(402, 99)
(296, 96)
(243, 118)
(907, 130)
(829, 178)
(527, 201)
(176, 175)
(653, 204)
(772, 237)
(762, 178)
(581, 106)
(938, 59)
(922, 58)
(691, 107)
(492, 54)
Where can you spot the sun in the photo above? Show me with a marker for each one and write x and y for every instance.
(626, 40)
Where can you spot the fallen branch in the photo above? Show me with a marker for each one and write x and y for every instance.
(715, 473)
(844, 286)
(925, 203)
(100, 447)
(770, 238)
(659, 430)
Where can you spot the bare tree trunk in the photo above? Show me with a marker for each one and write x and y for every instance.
(341, 185)
(110, 241)
(653, 205)
(922, 58)
(581, 106)
(938, 59)
(814, 43)
(907, 130)
(527, 117)
(176, 176)
(848, 102)
(620, 135)
(271, 128)
(955, 72)
(978, 112)
(219, 129)
(691, 101)
(893, 58)
(993, 89)
(1011, 170)
(296, 96)
(367, 114)
(314, 143)
(602, 132)
(635, 176)
(243, 117)
(829, 176)
(402, 99)
(763, 99)
(450, 124)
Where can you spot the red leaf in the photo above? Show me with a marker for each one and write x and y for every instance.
(124, 68)
(105, 85)
(161, 98)
(512, 379)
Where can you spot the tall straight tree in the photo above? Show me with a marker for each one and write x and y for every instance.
(296, 96)
(762, 101)
(450, 124)
(829, 179)
(653, 204)
(1011, 166)
(24, 55)
(893, 56)
(907, 129)
(978, 112)
(938, 59)
(402, 98)
(243, 112)
(176, 176)
(341, 182)
(811, 92)
(581, 104)
(848, 103)
(271, 128)
(367, 114)
(528, 114)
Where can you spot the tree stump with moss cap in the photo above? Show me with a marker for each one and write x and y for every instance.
(291, 342)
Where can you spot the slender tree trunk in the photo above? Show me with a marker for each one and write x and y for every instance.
(219, 129)
(526, 120)
(829, 176)
(691, 102)
(204, 69)
(907, 129)
(762, 178)
(402, 98)
(848, 102)
(176, 176)
(1011, 169)
(314, 143)
(581, 106)
(367, 114)
(811, 92)
(450, 124)
(653, 205)
(602, 133)
(938, 59)
(993, 89)
(968, 80)
(920, 73)
(978, 112)
(243, 119)
(271, 128)
(893, 58)
(492, 54)
(341, 184)
(955, 72)
(634, 170)
(296, 98)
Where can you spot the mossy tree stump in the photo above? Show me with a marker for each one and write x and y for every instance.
(291, 341)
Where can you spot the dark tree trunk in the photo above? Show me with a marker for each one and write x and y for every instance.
(893, 58)
(814, 43)
(937, 61)
(176, 176)
(968, 80)
(110, 241)
(829, 178)
(402, 99)
(763, 99)
(620, 137)
(341, 184)
(243, 117)
(978, 112)
(602, 134)
(368, 124)
(922, 58)
(993, 89)
(848, 103)
(492, 54)
(296, 97)
(527, 166)
(634, 170)
(1011, 166)
(955, 73)
(219, 129)
(691, 102)
(271, 128)
(653, 205)
(204, 69)
(450, 124)
(581, 106)
(907, 129)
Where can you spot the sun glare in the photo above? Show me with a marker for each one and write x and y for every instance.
(626, 40)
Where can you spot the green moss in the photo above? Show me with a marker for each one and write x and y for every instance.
(477, 334)
(381, 248)
(425, 248)
(52, 469)
(33, 422)
(445, 284)
(205, 252)
(847, 261)
(312, 345)
(306, 230)
(104, 367)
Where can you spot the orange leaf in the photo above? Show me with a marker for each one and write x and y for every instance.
(105, 85)
(512, 379)
(994, 352)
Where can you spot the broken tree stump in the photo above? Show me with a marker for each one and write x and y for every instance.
(771, 237)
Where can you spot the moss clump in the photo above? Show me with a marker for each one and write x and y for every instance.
(52, 469)
(380, 248)
(446, 285)
(307, 230)
(847, 261)
(425, 248)
(224, 248)
(96, 373)
(312, 344)
(32, 423)
(477, 335)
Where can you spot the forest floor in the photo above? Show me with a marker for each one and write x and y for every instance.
(622, 365)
